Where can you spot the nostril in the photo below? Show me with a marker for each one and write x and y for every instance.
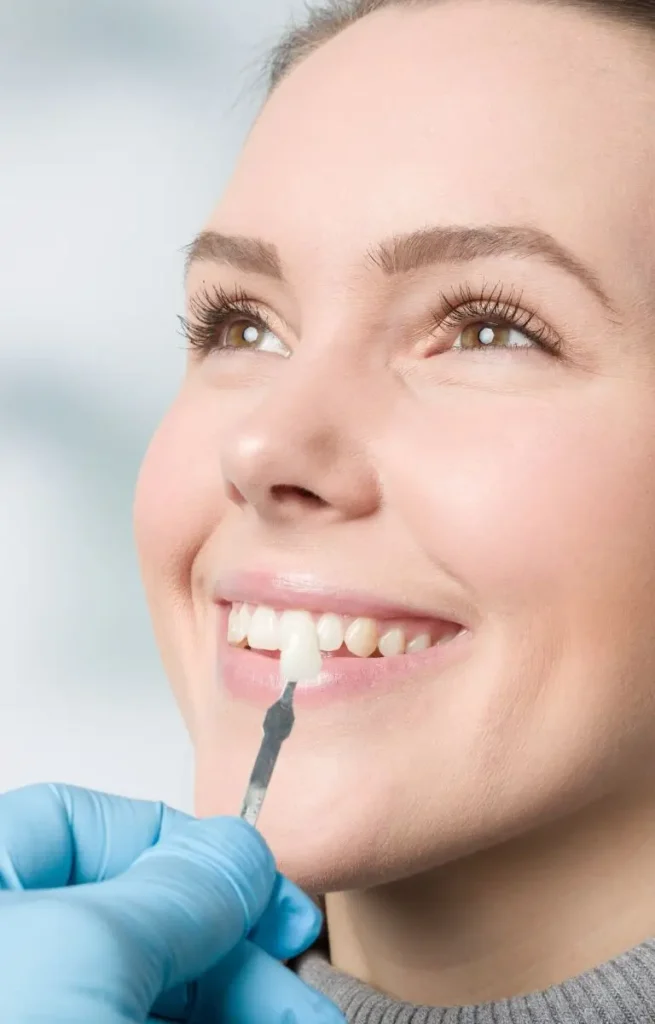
(288, 493)
(234, 494)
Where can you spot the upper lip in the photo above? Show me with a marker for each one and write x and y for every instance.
(303, 590)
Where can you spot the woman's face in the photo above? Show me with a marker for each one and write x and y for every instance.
(437, 431)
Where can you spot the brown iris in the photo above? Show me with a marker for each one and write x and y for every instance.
(242, 334)
(483, 335)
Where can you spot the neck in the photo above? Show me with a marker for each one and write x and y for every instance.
(508, 921)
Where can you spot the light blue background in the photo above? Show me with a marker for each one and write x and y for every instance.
(119, 122)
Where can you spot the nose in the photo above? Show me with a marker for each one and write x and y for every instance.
(300, 454)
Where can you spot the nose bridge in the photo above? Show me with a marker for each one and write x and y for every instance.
(303, 445)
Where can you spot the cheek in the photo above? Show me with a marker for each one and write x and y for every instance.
(179, 496)
(179, 503)
(527, 500)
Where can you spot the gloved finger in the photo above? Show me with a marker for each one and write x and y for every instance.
(290, 924)
(56, 835)
(249, 986)
(182, 906)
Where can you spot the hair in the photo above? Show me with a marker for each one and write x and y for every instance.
(324, 22)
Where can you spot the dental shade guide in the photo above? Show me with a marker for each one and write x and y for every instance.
(278, 723)
(300, 658)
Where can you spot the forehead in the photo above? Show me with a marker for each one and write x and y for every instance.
(458, 112)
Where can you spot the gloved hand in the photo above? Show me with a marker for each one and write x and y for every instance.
(110, 906)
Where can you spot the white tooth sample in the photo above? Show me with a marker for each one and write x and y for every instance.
(236, 634)
(330, 632)
(295, 623)
(419, 643)
(300, 658)
(361, 637)
(245, 613)
(392, 642)
(263, 632)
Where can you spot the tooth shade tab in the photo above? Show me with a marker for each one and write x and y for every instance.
(300, 659)
(296, 623)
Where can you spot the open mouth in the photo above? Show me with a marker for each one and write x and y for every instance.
(267, 630)
(341, 642)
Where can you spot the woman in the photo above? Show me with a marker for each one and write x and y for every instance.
(421, 395)
(420, 408)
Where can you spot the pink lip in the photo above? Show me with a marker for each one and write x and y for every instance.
(253, 677)
(304, 591)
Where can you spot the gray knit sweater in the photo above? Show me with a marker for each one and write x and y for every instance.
(621, 991)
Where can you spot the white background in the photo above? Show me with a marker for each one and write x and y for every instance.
(119, 123)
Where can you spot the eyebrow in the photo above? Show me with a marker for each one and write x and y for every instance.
(404, 253)
(252, 255)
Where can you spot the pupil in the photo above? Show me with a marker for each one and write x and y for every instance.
(486, 336)
(250, 334)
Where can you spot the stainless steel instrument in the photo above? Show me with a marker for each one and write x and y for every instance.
(278, 723)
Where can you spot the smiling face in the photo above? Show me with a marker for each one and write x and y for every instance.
(455, 429)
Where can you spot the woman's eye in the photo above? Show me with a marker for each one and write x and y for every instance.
(246, 334)
(483, 335)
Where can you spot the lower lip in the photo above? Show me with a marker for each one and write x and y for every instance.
(255, 678)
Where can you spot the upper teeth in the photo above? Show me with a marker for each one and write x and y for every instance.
(263, 628)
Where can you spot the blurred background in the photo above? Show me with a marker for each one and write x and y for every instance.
(119, 123)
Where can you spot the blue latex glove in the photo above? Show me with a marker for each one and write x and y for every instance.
(109, 907)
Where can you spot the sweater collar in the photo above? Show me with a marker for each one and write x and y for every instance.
(620, 991)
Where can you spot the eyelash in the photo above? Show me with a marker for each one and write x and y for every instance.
(497, 308)
(213, 311)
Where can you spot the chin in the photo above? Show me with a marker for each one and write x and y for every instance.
(333, 829)
(333, 826)
(319, 839)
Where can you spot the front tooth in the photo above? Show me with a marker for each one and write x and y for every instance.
(330, 632)
(300, 658)
(361, 637)
(236, 634)
(263, 631)
(245, 614)
(295, 623)
(419, 643)
(392, 642)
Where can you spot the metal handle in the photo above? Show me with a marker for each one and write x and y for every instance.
(278, 723)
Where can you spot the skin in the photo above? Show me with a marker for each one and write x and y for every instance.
(447, 816)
